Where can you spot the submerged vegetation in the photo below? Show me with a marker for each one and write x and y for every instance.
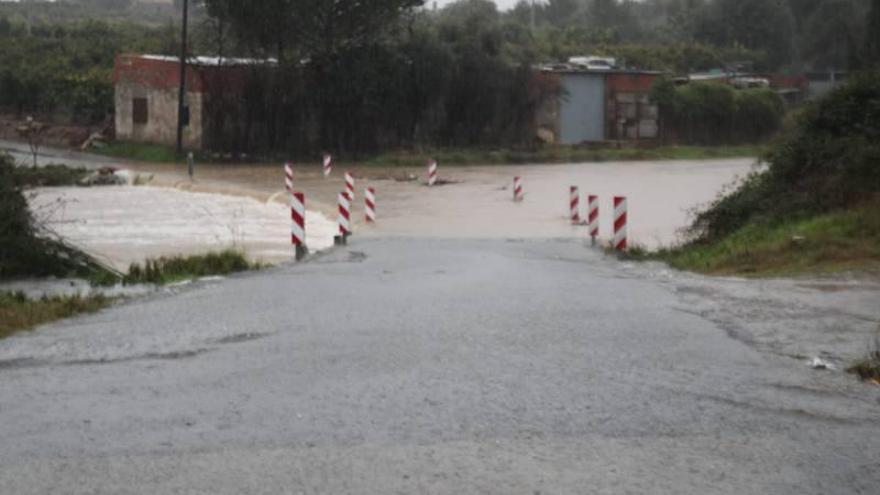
(18, 312)
(176, 268)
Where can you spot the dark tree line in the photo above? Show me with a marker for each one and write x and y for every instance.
(358, 75)
(799, 34)
(361, 76)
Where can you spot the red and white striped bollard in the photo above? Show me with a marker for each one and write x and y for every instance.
(328, 164)
(298, 224)
(517, 189)
(432, 172)
(593, 217)
(620, 223)
(288, 177)
(574, 205)
(370, 204)
(344, 217)
(349, 185)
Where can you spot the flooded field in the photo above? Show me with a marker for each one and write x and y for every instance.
(245, 205)
(477, 203)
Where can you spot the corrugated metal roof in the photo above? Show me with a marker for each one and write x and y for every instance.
(211, 61)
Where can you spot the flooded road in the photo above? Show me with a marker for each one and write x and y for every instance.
(122, 225)
(463, 344)
(443, 366)
(478, 201)
(245, 205)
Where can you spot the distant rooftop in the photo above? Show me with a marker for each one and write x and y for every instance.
(210, 61)
(566, 68)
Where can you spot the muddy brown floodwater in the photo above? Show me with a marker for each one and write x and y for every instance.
(477, 203)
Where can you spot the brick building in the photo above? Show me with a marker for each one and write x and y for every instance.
(146, 97)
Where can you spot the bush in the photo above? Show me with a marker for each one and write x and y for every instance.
(22, 251)
(16, 229)
(828, 159)
(716, 113)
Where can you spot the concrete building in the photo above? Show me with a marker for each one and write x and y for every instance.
(821, 83)
(146, 96)
(597, 105)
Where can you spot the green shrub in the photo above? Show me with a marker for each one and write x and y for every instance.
(828, 159)
(170, 269)
(23, 252)
(715, 113)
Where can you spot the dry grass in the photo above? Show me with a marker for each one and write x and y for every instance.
(18, 312)
(868, 369)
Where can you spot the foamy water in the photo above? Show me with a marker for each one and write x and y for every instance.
(121, 225)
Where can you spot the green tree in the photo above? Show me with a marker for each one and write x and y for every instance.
(872, 39)
(761, 25)
(828, 34)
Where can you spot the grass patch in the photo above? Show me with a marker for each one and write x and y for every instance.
(18, 312)
(561, 154)
(48, 176)
(843, 240)
(174, 269)
(460, 156)
(145, 152)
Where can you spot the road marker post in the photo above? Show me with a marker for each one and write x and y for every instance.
(344, 219)
(517, 189)
(432, 172)
(370, 204)
(620, 219)
(298, 226)
(288, 177)
(328, 164)
(349, 185)
(574, 205)
(593, 218)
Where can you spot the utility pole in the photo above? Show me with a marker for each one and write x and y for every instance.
(533, 17)
(180, 96)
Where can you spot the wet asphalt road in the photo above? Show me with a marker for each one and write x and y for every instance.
(416, 366)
